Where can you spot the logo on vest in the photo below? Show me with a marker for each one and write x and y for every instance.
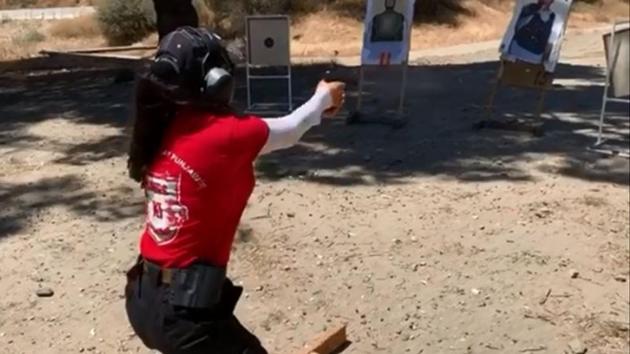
(165, 212)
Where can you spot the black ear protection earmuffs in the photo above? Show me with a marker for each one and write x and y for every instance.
(196, 64)
(218, 82)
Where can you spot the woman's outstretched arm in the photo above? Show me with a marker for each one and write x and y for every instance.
(286, 131)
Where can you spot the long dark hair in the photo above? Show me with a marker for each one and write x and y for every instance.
(155, 107)
(153, 114)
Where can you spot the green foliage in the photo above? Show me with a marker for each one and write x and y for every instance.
(124, 22)
(30, 36)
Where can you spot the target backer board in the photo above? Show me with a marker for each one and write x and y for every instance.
(268, 40)
(387, 30)
(536, 32)
(386, 38)
(268, 45)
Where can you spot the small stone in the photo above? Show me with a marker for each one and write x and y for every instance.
(620, 278)
(259, 288)
(291, 215)
(397, 241)
(577, 347)
(574, 273)
(92, 332)
(475, 291)
(415, 267)
(44, 292)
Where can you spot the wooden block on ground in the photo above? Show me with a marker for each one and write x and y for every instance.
(327, 342)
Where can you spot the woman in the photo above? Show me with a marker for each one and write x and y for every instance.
(194, 158)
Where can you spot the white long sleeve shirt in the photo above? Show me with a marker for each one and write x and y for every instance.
(286, 131)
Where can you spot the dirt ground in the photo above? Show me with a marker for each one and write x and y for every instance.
(433, 238)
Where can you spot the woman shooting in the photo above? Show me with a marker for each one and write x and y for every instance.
(194, 159)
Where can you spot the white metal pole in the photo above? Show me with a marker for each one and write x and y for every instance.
(360, 95)
(290, 89)
(611, 43)
(249, 88)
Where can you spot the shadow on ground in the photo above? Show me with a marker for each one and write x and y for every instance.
(443, 104)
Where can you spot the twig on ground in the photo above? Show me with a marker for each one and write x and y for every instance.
(545, 298)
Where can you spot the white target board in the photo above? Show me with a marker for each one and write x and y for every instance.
(536, 31)
(268, 46)
(268, 40)
(387, 32)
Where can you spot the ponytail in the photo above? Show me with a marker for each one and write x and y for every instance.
(153, 114)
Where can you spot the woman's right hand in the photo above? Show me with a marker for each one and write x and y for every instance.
(337, 91)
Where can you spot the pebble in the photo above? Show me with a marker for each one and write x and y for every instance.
(574, 273)
(44, 292)
(620, 278)
(577, 347)
(475, 291)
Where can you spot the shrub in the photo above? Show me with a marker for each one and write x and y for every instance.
(124, 22)
(31, 36)
(84, 26)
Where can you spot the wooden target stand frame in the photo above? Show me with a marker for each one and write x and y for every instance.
(332, 341)
(356, 116)
(523, 75)
(612, 52)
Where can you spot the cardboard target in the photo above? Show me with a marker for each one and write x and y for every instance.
(268, 41)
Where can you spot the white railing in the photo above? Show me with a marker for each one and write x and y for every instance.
(54, 13)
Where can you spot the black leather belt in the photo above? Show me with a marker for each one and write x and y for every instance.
(197, 286)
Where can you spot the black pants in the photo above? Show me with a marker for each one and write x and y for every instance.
(177, 330)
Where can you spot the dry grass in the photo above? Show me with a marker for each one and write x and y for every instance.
(84, 26)
(13, 46)
(324, 34)
(14, 4)
(327, 32)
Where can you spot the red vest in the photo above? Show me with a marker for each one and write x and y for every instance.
(198, 186)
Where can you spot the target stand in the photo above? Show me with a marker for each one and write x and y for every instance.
(396, 120)
(386, 43)
(268, 59)
(520, 75)
(617, 85)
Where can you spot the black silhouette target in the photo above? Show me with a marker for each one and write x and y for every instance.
(268, 40)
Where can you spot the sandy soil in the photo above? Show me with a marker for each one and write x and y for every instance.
(429, 239)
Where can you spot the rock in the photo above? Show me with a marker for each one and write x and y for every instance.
(577, 347)
(291, 215)
(475, 291)
(574, 274)
(621, 278)
(44, 292)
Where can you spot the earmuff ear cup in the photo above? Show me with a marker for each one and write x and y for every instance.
(165, 67)
(219, 85)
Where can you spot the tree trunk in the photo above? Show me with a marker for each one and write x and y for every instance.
(171, 14)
